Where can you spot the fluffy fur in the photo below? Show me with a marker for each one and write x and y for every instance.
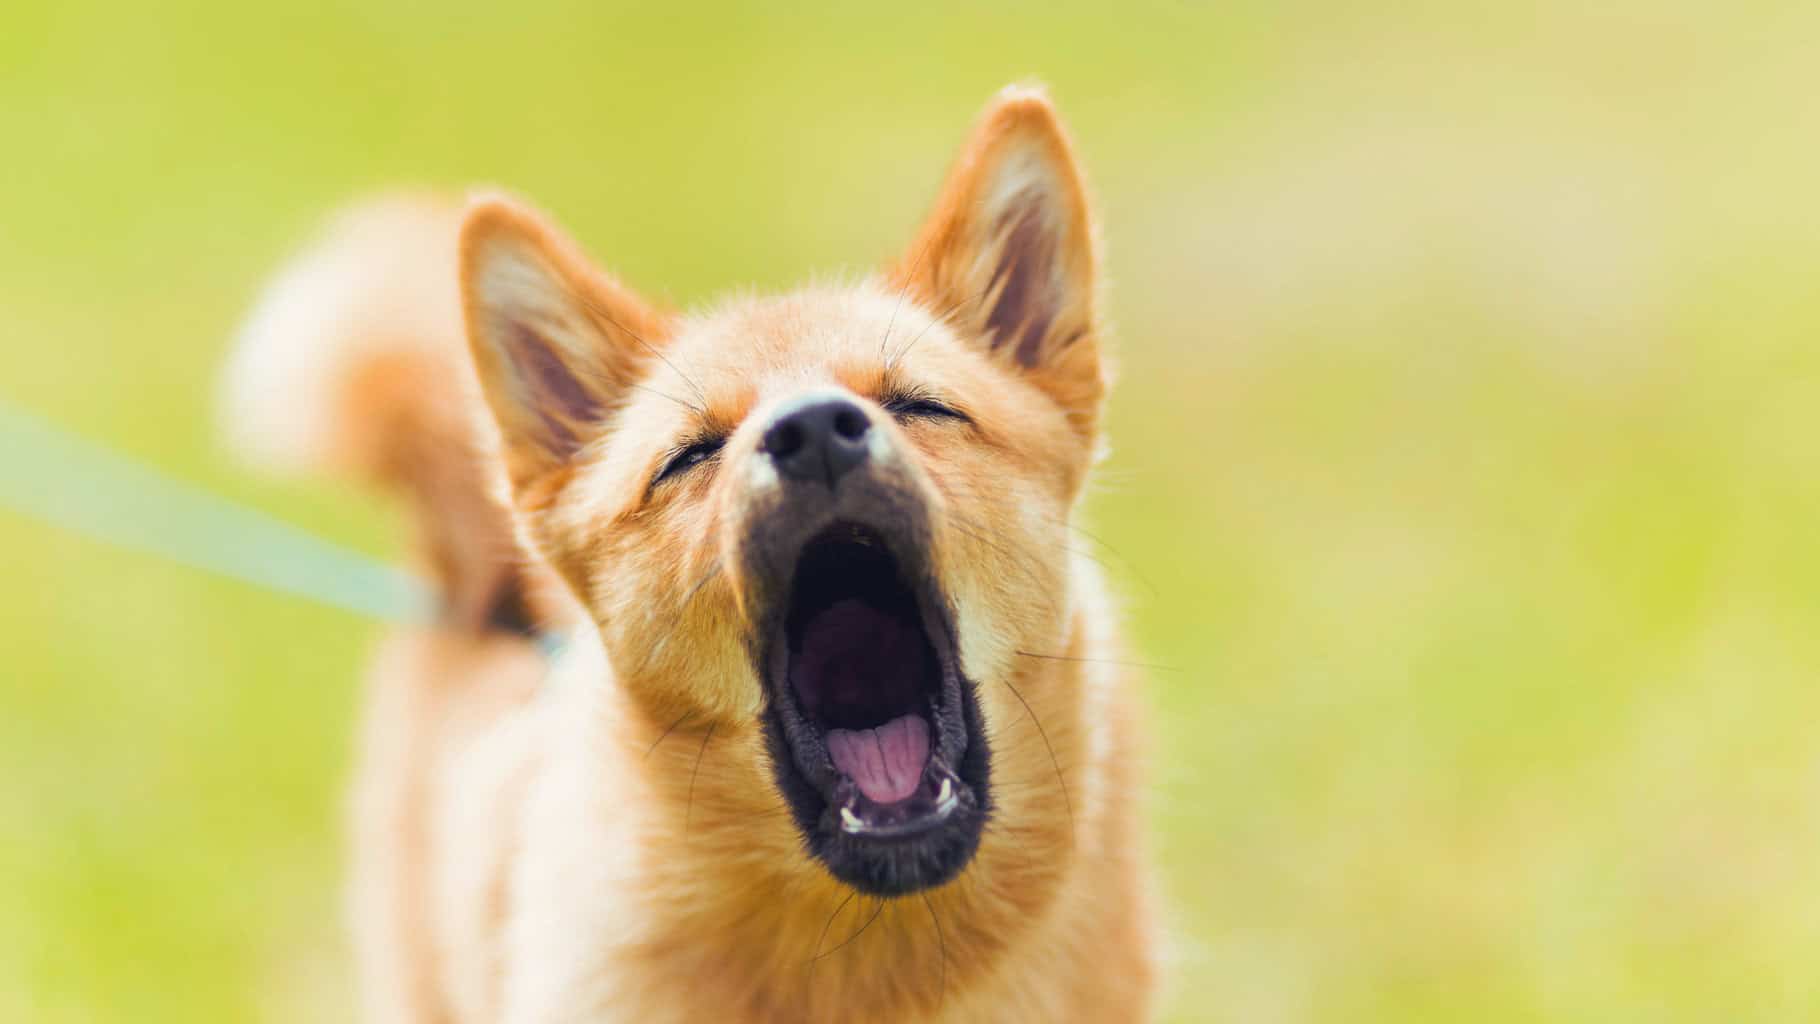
(602, 838)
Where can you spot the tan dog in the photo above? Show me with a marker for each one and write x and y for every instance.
(838, 732)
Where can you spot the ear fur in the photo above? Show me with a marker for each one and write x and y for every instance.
(1009, 252)
(555, 341)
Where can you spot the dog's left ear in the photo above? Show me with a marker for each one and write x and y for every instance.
(1009, 253)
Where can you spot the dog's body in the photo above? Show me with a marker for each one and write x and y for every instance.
(715, 803)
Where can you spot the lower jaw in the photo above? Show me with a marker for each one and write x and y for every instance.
(922, 857)
(901, 848)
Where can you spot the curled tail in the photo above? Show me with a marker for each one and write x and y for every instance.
(354, 363)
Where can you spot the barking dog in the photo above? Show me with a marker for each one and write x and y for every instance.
(837, 731)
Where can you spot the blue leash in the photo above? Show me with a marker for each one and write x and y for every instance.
(68, 482)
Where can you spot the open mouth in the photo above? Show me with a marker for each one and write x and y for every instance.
(875, 732)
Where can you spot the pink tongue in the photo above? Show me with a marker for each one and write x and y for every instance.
(886, 763)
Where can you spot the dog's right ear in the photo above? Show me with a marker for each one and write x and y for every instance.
(556, 342)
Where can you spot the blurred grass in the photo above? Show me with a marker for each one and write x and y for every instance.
(1467, 456)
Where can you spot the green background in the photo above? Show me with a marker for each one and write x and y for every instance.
(1466, 471)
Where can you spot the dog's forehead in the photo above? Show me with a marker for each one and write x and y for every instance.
(746, 350)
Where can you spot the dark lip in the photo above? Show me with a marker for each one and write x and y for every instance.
(897, 850)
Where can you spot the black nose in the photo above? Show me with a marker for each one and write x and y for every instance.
(818, 439)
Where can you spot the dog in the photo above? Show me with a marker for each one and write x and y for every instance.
(840, 726)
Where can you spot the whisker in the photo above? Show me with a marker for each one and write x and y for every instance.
(941, 940)
(844, 943)
(973, 494)
(648, 347)
(979, 531)
(700, 395)
(898, 356)
(707, 578)
(1021, 785)
(909, 279)
(1099, 661)
(1071, 550)
(816, 955)
(609, 383)
(692, 407)
(652, 653)
(1130, 566)
(1067, 800)
(689, 811)
(666, 734)
(598, 377)
(1019, 561)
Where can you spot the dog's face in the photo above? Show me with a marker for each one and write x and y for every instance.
(835, 517)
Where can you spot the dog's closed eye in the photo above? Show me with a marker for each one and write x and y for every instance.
(687, 456)
(911, 405)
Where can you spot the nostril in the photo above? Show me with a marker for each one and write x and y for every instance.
(850, 424)
(818, 439)
(784, 439)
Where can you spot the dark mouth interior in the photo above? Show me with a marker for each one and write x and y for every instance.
(873, 727)
(861, 665)
(859, 655)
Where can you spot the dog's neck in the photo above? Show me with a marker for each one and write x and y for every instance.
(742, 914)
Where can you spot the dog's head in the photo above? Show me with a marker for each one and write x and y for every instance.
(833, 517)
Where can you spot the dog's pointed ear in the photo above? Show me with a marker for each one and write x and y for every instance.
(556, 342)
(1009, 252)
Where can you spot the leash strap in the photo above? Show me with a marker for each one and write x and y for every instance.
(72, 483)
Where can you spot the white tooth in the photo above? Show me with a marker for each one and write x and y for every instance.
(945, 795)
(850, 821)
